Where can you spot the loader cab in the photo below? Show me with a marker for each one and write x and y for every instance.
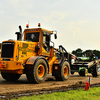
(41, 37)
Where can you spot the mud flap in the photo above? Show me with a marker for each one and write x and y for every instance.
(30, 63)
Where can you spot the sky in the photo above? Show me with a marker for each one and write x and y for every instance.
(77, 22)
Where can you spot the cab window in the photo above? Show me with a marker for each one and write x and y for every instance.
(34, 37)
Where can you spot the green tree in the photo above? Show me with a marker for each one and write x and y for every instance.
(86, 52)
(77, 52)
(97, 53)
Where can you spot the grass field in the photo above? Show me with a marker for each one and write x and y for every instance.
(81, 94)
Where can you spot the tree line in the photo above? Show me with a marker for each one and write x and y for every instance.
(79, 52)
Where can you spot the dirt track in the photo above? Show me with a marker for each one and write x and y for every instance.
(23, 86)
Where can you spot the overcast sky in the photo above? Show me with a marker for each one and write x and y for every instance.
(77, 22)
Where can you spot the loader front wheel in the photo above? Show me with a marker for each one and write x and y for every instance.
(64, 72)
(10, 76)
(40, 71)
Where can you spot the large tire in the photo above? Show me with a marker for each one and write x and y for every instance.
(40, 71)
(84, 72)
(95, 71)
(72, 73)
(64, 72)
(10, 76)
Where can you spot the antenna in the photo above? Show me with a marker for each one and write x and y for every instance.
(28, 22)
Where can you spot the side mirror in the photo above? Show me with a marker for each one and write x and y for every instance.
(55, 36)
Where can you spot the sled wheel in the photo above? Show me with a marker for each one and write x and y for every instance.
(83, 72)
(72, 73)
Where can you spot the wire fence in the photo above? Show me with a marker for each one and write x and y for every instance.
(91, 79)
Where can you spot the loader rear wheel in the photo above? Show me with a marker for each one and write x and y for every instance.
(40, 71)
(64, 72)
(10, 76)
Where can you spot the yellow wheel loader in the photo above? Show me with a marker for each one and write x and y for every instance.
(33, 54)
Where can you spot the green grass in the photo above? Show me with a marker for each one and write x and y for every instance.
(81, 94)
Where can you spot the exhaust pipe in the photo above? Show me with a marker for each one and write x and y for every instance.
(19, 34)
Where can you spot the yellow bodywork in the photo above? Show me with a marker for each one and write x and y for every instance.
(23, 50)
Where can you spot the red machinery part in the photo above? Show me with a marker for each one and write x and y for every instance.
(0, 65)
(86, 85)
